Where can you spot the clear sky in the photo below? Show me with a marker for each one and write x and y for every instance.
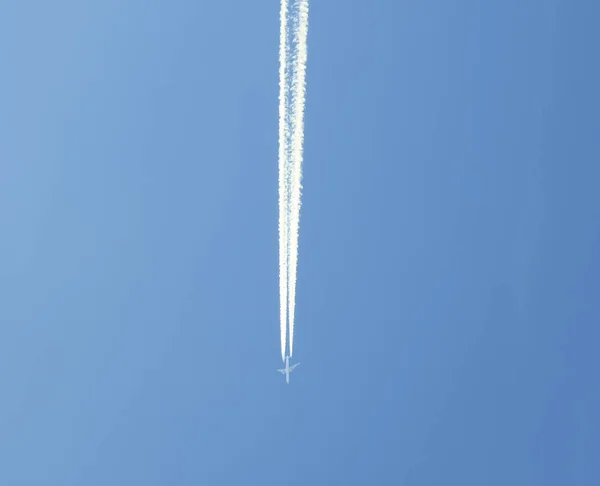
(448, 283)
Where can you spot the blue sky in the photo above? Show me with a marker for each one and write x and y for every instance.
(447, 306)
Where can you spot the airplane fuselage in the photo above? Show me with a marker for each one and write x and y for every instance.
(287, 370)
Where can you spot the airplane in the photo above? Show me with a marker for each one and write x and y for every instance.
(287, 370)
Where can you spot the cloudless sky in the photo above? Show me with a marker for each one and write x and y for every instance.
(448, 283)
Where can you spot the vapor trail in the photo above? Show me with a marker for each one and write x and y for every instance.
(298, 88)
(283, 178)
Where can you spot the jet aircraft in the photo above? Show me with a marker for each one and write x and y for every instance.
(288, 369)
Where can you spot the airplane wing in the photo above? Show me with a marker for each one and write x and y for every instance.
(281, 371)
(293, 366)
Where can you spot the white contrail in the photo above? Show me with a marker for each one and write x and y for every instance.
(292, 80)
(298, 87)
(283, 178)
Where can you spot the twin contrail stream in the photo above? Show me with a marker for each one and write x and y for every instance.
(292, 86)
